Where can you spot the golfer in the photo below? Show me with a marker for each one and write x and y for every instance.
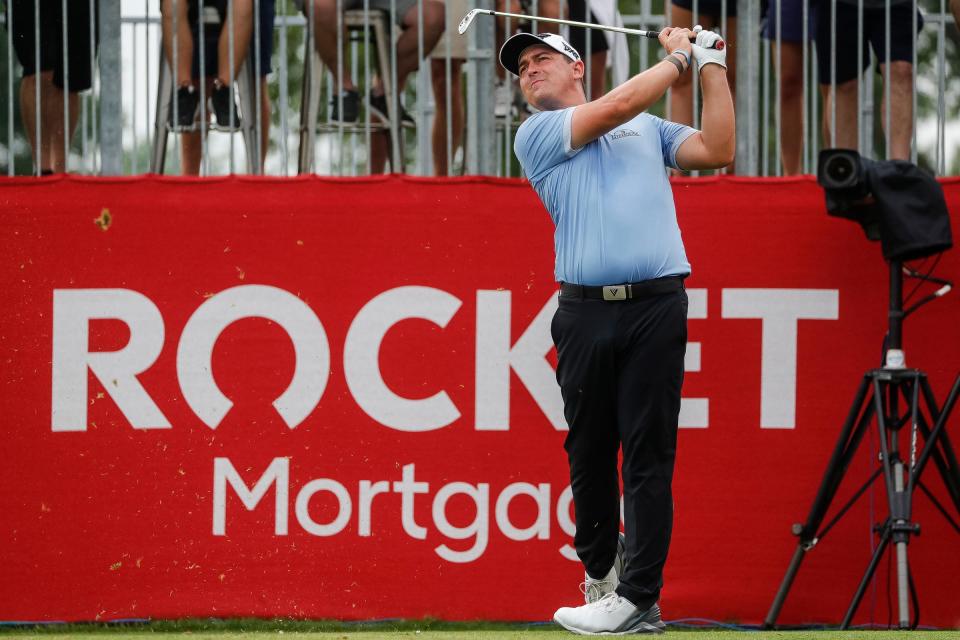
(600, 169)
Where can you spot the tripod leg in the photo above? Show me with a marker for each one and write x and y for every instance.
(778, 600)
(850, 437)
(862, 587)
(938, 442)
(903, 578)
(898, 525)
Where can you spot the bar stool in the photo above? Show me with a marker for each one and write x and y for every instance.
(244, 87)
(313, 74)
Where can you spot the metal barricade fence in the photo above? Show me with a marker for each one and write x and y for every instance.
(393, 87)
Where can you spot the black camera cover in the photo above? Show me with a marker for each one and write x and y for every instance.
(911, 210)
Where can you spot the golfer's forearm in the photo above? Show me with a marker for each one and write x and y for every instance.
(626, 102)
(718, 125)
(638, 93)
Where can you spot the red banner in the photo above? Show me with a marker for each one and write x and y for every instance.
(335, 399)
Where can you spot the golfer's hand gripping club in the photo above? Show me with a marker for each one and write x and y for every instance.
(709, 48)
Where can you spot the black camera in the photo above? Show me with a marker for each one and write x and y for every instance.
(894, 201)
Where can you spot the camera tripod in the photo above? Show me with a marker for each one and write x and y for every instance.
(879, 396)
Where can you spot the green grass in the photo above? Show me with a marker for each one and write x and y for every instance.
(252, 629)
(494, 635)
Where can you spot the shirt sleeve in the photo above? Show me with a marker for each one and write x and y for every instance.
(543, 142)
(672, 135)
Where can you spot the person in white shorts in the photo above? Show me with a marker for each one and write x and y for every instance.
(454, 46)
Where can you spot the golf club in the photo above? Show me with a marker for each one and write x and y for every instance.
(468, 19)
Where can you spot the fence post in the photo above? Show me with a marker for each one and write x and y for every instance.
(481, 134)
(748, 87)
(111, 107)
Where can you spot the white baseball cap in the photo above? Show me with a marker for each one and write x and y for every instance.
(512, 49)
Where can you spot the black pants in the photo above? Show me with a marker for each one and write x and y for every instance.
(620, 369)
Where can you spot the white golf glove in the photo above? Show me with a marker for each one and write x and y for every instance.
(709, 48)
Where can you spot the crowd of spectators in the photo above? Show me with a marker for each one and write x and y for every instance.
(229, 40)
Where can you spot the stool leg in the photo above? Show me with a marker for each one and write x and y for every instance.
(158, 152)
(383, 57)
(248, 127)
(309, 108)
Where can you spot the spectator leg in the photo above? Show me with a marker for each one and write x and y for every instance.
(184, 39)
(28, 111)
(681, 93)
(901, 109)
(551, 9)
(731, 40)
(440, 160)
(191, 145)
(598, 73)
(325, 37)
(508, 6)
(265, 120)
(791, 106)
(407, 47)
(28, 106)
(379, 147)
(53, 123)
(847, 136)
(190, 153)
(242, 30)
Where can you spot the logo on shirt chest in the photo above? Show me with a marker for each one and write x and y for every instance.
(624, 133)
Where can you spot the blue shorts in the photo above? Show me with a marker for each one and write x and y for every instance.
(211, 37)
(791, 21)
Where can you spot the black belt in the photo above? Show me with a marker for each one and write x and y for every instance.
(628, 291)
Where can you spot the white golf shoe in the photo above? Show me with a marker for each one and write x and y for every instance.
(593, 589)
(611, 615)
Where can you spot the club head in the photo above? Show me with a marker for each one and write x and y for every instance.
(467, 19)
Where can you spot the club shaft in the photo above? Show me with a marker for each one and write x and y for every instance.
(574, 23)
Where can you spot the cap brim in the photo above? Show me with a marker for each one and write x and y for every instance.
(513, 47)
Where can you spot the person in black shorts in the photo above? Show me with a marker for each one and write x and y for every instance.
(846, 75)
(54, 77)
(186, 95)
(192, 145)
(709, 14)
(577, 36)
(216, 67)
(598, 47)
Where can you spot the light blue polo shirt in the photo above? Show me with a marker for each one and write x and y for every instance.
(610, 200)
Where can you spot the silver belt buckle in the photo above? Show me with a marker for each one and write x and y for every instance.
(615, 292)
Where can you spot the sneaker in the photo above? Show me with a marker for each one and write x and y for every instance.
(594, 589)
(502, 100)
(351, 106)
(220, 99)
(378, 108)
(611, 615)
(187, 101)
